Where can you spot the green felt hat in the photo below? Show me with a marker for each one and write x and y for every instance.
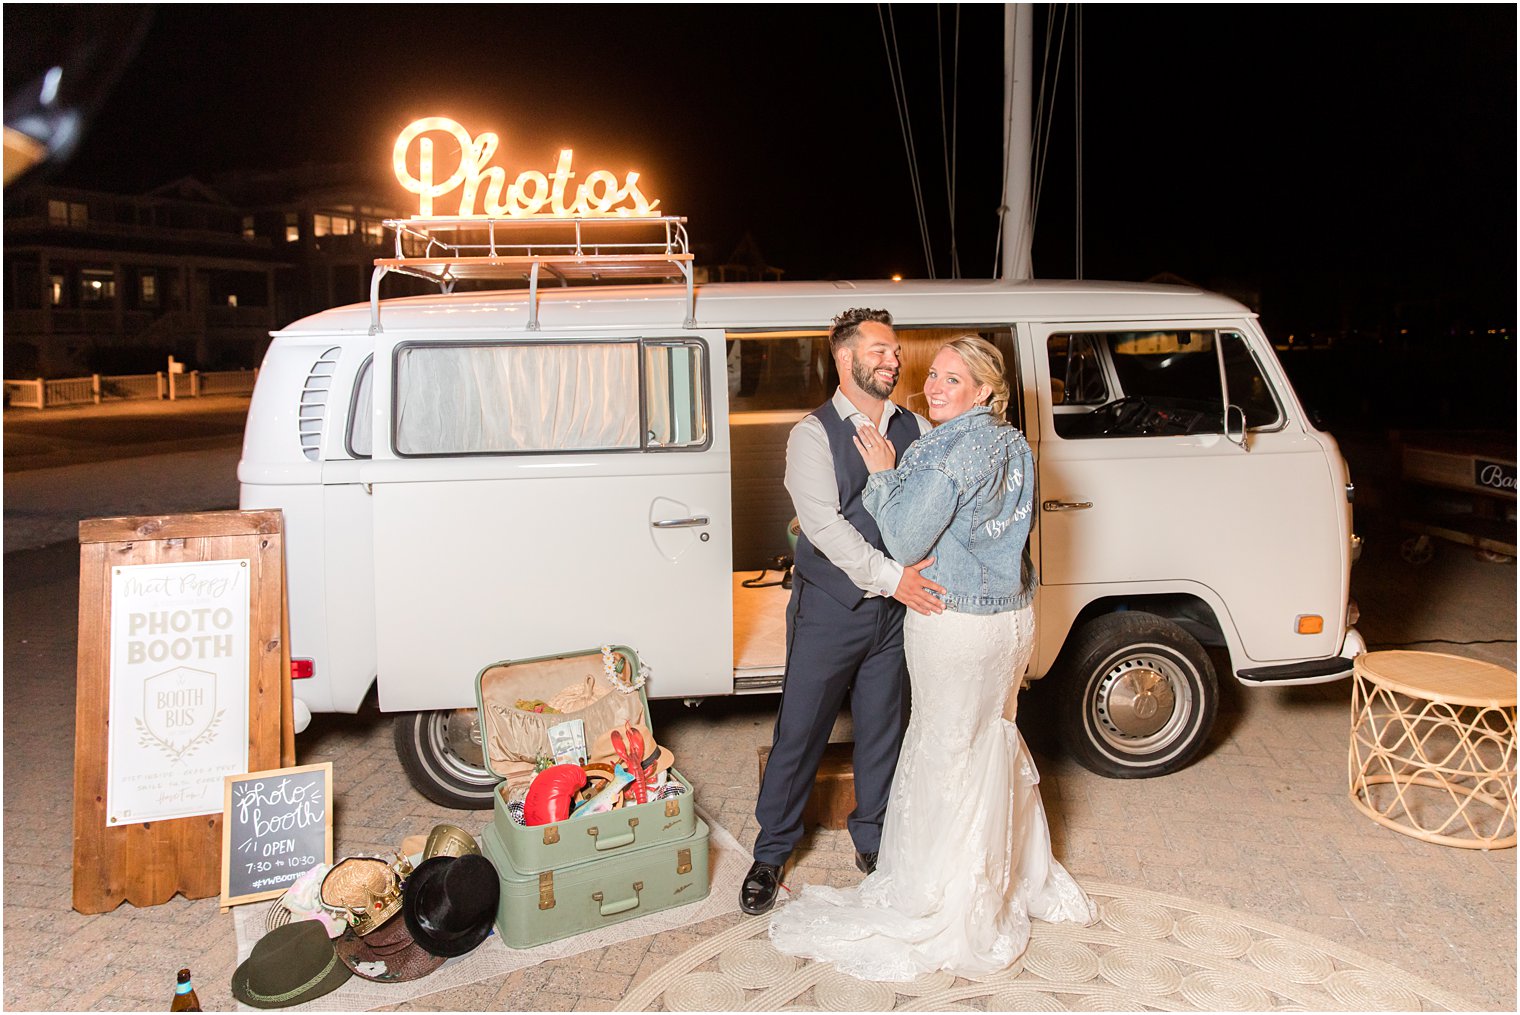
(289, 965)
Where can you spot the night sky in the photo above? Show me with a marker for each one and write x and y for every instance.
(1343, 163)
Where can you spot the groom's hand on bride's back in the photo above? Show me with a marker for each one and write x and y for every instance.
(914, 589)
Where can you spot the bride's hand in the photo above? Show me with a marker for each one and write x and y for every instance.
(878, 452)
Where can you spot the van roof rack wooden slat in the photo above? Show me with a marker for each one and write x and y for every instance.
(585, 249)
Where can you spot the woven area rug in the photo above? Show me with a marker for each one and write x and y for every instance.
(729, 863)
(1146, 952)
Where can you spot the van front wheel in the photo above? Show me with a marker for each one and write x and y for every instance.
(1138, 696)
(441, 754)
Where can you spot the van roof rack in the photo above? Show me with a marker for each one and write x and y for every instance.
(445, 250)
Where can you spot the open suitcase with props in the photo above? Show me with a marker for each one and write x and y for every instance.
(612, 837)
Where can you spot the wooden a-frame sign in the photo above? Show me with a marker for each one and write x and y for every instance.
(147, 862)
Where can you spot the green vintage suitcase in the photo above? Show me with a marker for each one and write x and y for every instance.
(513, 738)
(548, 905)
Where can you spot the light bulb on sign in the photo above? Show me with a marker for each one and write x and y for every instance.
(600, 195)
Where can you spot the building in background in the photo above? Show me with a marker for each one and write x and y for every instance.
(109, 283)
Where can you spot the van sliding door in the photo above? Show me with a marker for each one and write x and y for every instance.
(536, 496)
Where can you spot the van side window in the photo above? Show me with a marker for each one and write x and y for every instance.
(361, 417)
(514, 398)
(1168, 383)
(1076, 378)
(1248, 387)
(675, 395)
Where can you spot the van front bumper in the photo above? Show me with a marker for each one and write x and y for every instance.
(1311, 671)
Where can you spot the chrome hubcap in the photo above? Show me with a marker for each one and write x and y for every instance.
(456, 737)
(1141, 704)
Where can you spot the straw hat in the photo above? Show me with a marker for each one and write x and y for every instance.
(365, 890)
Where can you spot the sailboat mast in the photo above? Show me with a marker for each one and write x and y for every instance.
(1018, 130)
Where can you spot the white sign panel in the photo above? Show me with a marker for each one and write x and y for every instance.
(179, 688)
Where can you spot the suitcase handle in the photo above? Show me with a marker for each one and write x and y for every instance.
(613, 841)
(621, 906)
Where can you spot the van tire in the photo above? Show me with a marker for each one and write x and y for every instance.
(1115, 717)
(436, 763)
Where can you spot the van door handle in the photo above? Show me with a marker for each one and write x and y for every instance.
(1066, 505)
(681, 523)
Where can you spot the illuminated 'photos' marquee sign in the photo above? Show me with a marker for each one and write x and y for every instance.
(532, 194)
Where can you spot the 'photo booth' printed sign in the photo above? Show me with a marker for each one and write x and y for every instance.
(179, 688)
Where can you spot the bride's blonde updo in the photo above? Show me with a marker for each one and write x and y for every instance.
(986, 365)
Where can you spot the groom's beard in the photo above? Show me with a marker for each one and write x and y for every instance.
(865, 379)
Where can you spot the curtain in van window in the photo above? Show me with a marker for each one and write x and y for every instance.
(516, 398)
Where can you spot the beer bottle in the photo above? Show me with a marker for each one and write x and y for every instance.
(184, 994)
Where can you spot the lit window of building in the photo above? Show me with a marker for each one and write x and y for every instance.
(148, 287)
(248, 230)
(292, 228)
(55, 285)
(331, 225)
(96, 286)
(232, 299)
(374, 233)
(68, 213)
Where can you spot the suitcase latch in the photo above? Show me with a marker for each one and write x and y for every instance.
(672, 808)
(683, 861)
(551, 835)
(546, 890)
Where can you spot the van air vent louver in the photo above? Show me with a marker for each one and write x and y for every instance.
(314, 396)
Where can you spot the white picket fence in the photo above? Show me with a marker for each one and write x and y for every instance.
(98, 388)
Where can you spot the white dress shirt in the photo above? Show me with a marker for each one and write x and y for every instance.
(814, 488)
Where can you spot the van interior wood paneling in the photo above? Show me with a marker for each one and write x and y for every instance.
(761, 506)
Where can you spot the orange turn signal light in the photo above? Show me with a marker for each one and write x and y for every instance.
(1310, 623)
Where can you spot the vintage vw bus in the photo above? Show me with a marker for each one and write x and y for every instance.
(474, 476)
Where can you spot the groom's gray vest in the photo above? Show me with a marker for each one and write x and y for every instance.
(850, 473)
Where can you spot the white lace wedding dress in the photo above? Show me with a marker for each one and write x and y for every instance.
(965, 857)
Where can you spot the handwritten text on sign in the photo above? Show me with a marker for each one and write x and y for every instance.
(277, 826)
(179, 687)
(533, 193)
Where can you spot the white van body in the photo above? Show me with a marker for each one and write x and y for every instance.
(413, 561)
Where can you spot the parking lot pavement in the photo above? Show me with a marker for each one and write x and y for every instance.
(1260, 823)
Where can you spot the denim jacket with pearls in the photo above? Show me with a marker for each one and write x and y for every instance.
(964, 494)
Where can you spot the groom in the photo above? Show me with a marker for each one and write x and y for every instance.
(844, 621)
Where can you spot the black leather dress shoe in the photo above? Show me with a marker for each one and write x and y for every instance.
(758, 893)
(866, 862)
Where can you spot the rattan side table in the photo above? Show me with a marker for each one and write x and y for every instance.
(1433, 747)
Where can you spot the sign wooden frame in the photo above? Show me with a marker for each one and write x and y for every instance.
(327, 822)
(147, 863)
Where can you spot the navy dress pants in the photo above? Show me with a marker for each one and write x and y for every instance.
(832, 651)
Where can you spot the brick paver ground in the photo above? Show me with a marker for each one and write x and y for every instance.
(1260, 823)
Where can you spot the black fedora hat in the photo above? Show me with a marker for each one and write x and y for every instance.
(289, 965)
(449, 903)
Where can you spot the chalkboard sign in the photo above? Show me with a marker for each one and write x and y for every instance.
(276, 826)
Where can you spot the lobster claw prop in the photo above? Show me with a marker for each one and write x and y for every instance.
(630, 751)
(634, 748)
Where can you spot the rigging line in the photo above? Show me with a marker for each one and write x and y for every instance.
(944, 132)
(1055, 87)
(1077, 71)
(1011, 72)
(899, 95)
(918, 178)
(1040, 152)
(1039, 106)
(955, 91)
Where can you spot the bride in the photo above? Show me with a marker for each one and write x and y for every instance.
(965, 858)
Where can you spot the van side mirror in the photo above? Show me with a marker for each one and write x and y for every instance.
(1233, 433)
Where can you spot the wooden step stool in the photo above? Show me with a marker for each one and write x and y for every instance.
(833, 796)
